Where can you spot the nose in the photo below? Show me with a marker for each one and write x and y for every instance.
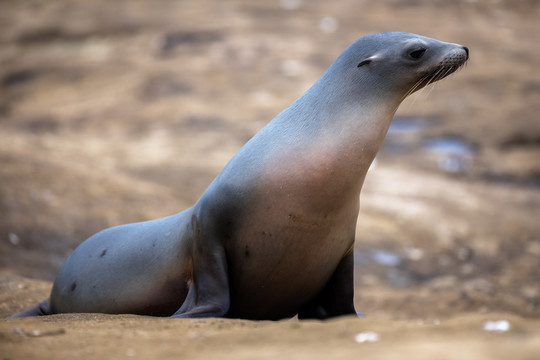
(466, 50)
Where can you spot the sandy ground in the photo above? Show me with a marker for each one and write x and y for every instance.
(115, 112)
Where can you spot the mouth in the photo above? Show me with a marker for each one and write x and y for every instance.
(447, 66)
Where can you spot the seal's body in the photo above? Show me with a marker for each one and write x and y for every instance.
(273, 235)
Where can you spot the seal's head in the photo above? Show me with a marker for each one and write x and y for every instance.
(395, 64)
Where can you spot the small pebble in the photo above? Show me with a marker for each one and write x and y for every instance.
(367, 336)
(14, 239)
(497, 326)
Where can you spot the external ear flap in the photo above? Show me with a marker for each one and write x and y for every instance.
(368, 60)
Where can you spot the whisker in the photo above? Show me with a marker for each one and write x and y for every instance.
(413, 88)
(445, 68)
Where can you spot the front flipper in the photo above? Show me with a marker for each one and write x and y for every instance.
(208, 294)
(337, 297)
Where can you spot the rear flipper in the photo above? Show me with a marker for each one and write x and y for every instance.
(40, 309)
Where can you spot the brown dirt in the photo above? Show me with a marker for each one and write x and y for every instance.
(115, 112)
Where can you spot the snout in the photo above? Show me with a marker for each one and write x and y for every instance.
(456, 57)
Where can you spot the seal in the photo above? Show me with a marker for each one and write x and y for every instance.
(273, 234)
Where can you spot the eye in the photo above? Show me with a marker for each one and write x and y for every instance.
(417, 54)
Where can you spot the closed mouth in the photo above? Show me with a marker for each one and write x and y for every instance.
(449, 65)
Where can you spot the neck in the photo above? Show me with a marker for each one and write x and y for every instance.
(332, 140)
(351, 121)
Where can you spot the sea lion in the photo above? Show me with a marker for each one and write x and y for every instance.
(273, 234)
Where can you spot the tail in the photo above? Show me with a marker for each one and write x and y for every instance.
(40, 309)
